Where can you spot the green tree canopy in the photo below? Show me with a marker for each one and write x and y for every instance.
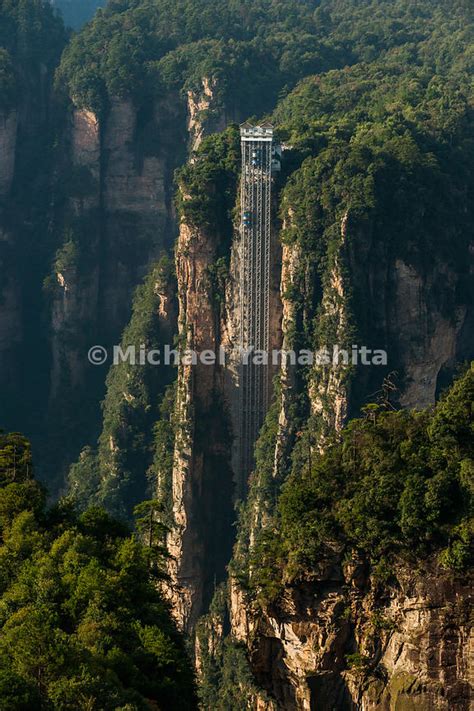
(83, 625)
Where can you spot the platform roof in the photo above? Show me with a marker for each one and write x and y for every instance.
(261, 132)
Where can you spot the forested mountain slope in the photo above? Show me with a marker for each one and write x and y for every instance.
(82, 624)
(412, 97)
(119, 175)
(135, 90)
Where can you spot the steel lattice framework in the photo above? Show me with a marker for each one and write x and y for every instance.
(255, 265)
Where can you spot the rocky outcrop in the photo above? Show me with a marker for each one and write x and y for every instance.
(203, 478)
(343, 641)
(86, 139)
(140, 153)
(207, 113)
(328, 388)
(128, 165)
(70, 310)
(75, 280)
(122, 197)
(200, 112)
(416, 310)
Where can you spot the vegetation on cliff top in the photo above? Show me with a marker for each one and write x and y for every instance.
(382, 176)
(395, 484)
(396, 489)
(208, 185)
(251, 50)
(120, 53)
(82, 623)
(379, 173)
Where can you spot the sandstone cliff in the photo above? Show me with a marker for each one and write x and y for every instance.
(117, 218)
(125, 200)
(206, 115)
(201, 473)
(343, 641)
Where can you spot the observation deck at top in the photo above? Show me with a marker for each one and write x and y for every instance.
(264, 132)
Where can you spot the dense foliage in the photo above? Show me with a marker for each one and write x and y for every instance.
(226, 680)
(374, 103)
(136, 48)
(82, 623)
(208, 185)
(378, 170)
(252, 50)
(396, 484)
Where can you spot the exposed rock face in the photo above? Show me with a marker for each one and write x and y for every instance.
(122, 202)
(70, 310)
(8, 127)
(199, 105)
(140, 154)
(339, 643)
(76, 292)
(428, 339)
(201, 540)
(86, 139)
(328, 389)
(207, 113)
(189, 541)
(290, 258)
(130, 162)
(415, 311)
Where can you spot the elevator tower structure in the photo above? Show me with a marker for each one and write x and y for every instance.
(255, 272)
